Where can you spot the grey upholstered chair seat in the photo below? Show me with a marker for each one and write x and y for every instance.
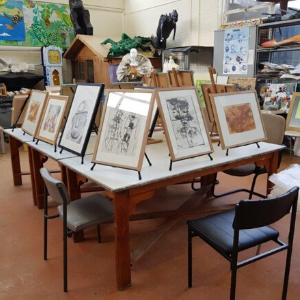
(87, 212)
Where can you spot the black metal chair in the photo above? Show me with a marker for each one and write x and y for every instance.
(76, 215)
(245, 227)
(275, 128)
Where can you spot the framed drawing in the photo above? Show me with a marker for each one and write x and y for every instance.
(185, 126)
(293, 117)
(124, 127)
(34, 111)
(52, 118)
(81, 117)
(238, 118)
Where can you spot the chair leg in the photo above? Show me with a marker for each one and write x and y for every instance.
(233, 275)
(45, 236)
(65, 253)
(189, 258)
(287, 272)
(99, 233)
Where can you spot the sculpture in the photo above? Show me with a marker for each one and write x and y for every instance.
(80, 18)
(125, 44)
(165, 26)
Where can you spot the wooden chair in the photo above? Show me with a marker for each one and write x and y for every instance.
(244, 227)
(76, 215)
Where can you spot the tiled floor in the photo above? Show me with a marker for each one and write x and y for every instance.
(160, 274)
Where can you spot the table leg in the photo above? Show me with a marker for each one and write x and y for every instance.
(32, 176)
(38, 160)
(122, 248)
(271, 169)
(14, 146)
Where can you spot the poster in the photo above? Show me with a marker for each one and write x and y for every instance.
(12, 26)
(236, 47)
(45, 24)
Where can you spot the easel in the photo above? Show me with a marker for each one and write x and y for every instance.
(180, 78)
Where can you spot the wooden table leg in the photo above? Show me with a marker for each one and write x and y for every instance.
(271, 169)
(14, 146)
(122, 248)
(38, 161)
(32, 176)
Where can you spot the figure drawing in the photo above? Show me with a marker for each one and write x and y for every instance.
(185, 124)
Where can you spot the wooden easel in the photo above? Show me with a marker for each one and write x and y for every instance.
(159, 80)
(180, 78)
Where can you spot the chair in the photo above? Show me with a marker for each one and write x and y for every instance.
(244, 227)
(275, 127)
(76, 215)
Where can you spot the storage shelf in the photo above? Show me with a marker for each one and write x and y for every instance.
(278, 49)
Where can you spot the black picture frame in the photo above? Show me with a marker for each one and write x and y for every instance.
(83, 111)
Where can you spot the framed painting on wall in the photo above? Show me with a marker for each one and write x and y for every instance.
(52, 118)
(293, 117)
(34, 111)
(124, 127)
(81, 117)
(184, 124)
(238, 118)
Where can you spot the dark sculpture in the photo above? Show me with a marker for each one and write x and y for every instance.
(80, 18)
(165, 26)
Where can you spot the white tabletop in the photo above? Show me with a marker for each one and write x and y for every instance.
(48, 149)
(19, 135)
(118, 179)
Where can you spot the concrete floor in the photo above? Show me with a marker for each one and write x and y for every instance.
(160, 274)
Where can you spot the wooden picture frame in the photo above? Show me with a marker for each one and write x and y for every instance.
(124, 126)
(293, 117)
(18, 109)
(185, 126)
(52, 118)
(238, 118)
(80, 121)
(34, 112)
(207, 89)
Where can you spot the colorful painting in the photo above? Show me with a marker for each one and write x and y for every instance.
(45, 24)
(199, 89)
(12, 27)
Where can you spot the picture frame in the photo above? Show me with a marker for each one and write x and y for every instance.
(35, 107)
(207, 89)
(124, 126)
(81, 117)
(293, 116)
(184, 123)
(238, 118)
(52, 118)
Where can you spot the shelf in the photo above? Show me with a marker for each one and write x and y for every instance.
(262, 50)
(283, 23)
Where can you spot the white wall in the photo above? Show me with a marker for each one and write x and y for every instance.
(196, 22)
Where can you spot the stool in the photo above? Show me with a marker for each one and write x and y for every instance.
(2, 140)
(290, 134)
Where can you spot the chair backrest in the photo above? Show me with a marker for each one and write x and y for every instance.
(275, 127)
(258, 213)
(56, 189)
(17, 104)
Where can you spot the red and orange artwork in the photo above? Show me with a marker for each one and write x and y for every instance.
(239, 118)
(34, 108)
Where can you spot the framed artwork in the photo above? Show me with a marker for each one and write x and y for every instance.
(184, 124)
(243, 84)
(238, 118)
(81, 117)
(52, 118)
(293, 117)
(207, 89)
(124, 127)
(34, 111)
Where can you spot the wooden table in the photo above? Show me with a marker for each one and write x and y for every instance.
(126, 190)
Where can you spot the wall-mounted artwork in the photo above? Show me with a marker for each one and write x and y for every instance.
(81, 117)
(34, 111)
(186, 131)
(124, 126)
(46, 24)
(238, 118)
(12, 26)
(52, 118)
(293, 117)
